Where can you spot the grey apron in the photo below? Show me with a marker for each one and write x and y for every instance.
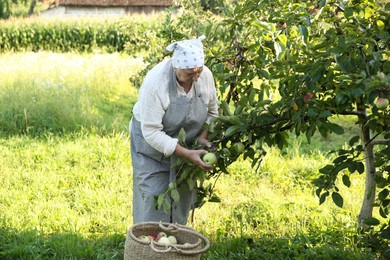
(152, 171)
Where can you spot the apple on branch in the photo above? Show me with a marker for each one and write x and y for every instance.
(382, 103)
(238, 147)
(210, 158)
(308, 97)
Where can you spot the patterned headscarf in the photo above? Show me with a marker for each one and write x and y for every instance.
(187, 54)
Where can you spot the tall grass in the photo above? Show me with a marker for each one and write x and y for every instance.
(65, 92)
(66, 182)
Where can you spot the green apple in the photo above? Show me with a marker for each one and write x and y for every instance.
(164, 240)
(382, 103)
(238, 147)
(144, 238)
(172, 239)
(210, 158)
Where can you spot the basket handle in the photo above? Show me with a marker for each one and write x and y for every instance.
(177, 248)
(166, 250)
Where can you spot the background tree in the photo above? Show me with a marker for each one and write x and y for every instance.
(4, 9)
(32, 6)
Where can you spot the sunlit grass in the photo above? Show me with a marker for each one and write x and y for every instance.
(66, 92)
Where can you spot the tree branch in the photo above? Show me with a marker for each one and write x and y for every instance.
(380, 141)
(354, 113)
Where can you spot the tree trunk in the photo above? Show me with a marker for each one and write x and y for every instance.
(32, 5)
(370, 185)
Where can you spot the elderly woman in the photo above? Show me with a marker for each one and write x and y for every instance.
(177, 93)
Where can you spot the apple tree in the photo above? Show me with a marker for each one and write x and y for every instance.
(288, 68)
(324, 59)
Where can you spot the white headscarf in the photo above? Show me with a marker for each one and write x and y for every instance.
(187, 54)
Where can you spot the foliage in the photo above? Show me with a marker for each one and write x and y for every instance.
(285, 68)
(109, 35)
(4, 9)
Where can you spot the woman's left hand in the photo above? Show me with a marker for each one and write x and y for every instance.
(203, 141)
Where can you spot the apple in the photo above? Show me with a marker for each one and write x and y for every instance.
(238, 147)
(382, 103)
(282, 25)
(308, 97)
(144, 238)
(210, 158)
(172, 239)
(164, 240)
(160, 235)
(151, 237)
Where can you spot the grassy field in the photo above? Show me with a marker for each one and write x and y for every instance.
(65, 174)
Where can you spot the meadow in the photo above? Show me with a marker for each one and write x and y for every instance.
(66, 177)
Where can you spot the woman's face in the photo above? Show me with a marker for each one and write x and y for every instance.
(188, 76)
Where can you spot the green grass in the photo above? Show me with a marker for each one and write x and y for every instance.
(66, 179)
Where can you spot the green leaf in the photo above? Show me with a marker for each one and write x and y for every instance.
(182, 136)
(166, 206)
(283, 39)
(335, 128)
(232, 130)
(304, 33)
(262, 25)
(340, 159)
(352, 167)
(215, 198)
(191, 183)
(354, 140)
(371, 221)
(346, 181)
(278, 50)
(360, 167)
(337, 199)
(160, 200)
(312, 112)
(225, 108)
(175, 195)
(328, 169)
(323, 197)
(386, 233)
(383, 194)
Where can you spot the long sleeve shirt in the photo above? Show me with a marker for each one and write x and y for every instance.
(154, 100)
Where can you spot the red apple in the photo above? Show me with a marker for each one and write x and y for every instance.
(382, 103)
(308, 97)
(160, 235)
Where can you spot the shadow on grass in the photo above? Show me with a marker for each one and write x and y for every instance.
(29, 244)
(273, 248)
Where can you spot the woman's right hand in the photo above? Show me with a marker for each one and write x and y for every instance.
(194, 156)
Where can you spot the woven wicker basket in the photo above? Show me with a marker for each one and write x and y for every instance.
(190, 243)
